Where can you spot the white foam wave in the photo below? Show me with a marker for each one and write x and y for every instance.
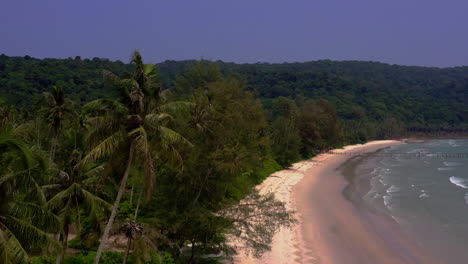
(445, 169)
(420, 150)
(384, 181)
(393, 189)
(460, 182)
(451, 163)
(387, 200)
(453, 143)
(424, 195)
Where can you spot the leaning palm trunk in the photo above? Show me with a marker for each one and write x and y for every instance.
(123, 183)
(137, 207)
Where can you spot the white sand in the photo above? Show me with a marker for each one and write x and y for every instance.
(287, 245)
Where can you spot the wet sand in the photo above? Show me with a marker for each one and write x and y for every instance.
(334, 227)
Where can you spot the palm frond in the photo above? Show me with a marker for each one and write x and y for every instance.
(38, 193)
(149, 69)
(11, 250)
(107, 105)
(59, 201)
(94, 172)
(170, 137)
(105, 148)
(156, 120)
(100, 127)
(176, 106)
(140, 138)
(9, 143)
(93, 202)
(23, 180)
(37, 215)
(29, 235)
(73, 193)
(48, 98)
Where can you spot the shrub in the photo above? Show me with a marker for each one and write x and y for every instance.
(43, 260)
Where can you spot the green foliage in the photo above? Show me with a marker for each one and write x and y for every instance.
(107, 258)
(201, 135)
(166, 258)
(125, 210)
(285, 137)
(43, 260)
(268, 167)
(319, 127)
(83, 258)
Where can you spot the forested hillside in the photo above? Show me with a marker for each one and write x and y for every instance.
(415, 95)
(420, 97)
(160, 156)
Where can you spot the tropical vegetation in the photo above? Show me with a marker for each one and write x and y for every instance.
(107, 162)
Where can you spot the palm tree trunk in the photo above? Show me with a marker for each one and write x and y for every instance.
(60, 255)
(131, 196)
(123, 183)
(53, 146)
(138, 206)
(127, 252)
(64, 240)
(37, 130)
(192, 253)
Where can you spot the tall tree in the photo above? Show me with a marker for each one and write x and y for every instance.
(56, 109)
(319, 127)
(25, 223)
(284, 131)
(71, 187)
(130, 129)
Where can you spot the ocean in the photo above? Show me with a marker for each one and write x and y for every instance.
(423, 186)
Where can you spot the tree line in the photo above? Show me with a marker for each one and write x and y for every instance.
(162, 170)
(161, 155)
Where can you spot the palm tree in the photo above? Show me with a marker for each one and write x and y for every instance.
(24, 222)
(72, 192)
(134, 127)
(57, 108)
(131, 230)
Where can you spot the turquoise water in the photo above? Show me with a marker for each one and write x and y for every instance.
(424, 187)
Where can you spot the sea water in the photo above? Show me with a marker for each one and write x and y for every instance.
(424, 187)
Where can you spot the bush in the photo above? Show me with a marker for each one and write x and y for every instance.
(88, 258)
(269, 167)
(125, 210)
(85, 258)
(164, 259)
(43, 260)
(112, 258)
(107, 258)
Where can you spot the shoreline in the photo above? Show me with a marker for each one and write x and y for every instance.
(333, 226)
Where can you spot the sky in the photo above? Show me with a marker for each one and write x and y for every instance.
(406, 32)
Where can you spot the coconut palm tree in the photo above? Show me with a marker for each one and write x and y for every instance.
(24, 222)
(132, 128)
(56, 110)
(131, 230)
(71, 187)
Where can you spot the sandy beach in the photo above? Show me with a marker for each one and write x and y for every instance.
(331, 228)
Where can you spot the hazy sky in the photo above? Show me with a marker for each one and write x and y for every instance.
(409, 32)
